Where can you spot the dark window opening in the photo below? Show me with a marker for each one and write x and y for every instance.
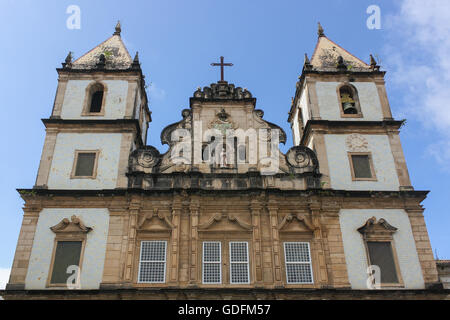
(361, 166)
(96, 101)
(381, 255)
(85, 164)
(67, 254)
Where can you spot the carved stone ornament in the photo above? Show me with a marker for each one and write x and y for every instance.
(357, 143)
(222, 91)
(74, 225)
(162, 222)
(145, 157)
(289, 218)
(302, 157)
(374, 227)
(224, 216)
(222, 122)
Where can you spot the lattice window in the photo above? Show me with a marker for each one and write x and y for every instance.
(212, 262)
(298, 262)
(152, 266)
(239, 266)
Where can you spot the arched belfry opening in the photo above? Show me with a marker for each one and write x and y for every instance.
(349, 99)
(96, 98)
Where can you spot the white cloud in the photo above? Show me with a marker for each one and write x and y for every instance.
(155, 92)
(4, 277)
(417, 53)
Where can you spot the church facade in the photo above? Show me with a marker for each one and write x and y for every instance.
(223, 213)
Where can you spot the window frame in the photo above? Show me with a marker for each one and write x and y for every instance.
(219, 262)
(355, 97)
(371, 165)
(75, 161)
(66, 238)
(88, 98)
(247, 262)
(309, 263)
(372, 238)
(140, 261)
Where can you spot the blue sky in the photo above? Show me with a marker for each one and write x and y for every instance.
(266, 41)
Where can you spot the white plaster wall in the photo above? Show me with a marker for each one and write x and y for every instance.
(304, 105)
(295, 128)
(115, 101)
(355, 254)
(94, 252)
(329, 107)
(383, 162)
(63, 159)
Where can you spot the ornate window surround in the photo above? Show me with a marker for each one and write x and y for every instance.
(237, 231)
(88, 97)
(372, 168)
(355, 97)
(381, 231)
(147, 230)
(298, 228)
(68, 230)
(75, 160)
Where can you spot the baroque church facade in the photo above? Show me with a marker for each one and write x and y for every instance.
(213, 217)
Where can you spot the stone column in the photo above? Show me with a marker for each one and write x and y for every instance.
(272, 207)
(175, 239)
(319, 252)
(256, 208)
(423, 246)
(194, 209)
(134, 209)
(46, 158)
(24, 245)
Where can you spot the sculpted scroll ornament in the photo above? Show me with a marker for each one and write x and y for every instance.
(357, 143)
(300, 157)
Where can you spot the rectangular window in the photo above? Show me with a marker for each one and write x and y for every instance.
(298, 262)
(212, 262)
(152, 265)
(381, 255)
(239, 266)
(67, 253)
(362, 167)
(85, 164)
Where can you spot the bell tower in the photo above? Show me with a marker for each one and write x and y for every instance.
(341, 111)
(100, 115)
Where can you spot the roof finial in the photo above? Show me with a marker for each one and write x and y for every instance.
(373, 64)
(68, 61)
(307, 59)
(136, 64)
(320, 32)
(118, 29)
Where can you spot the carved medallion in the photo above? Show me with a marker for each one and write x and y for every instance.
(356, 142)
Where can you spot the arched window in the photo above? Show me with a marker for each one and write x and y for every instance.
(348, 97)
(95, 100)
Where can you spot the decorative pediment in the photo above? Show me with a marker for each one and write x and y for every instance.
(186, 123)
(372, 227)
(225, 222)
(296, 223)
(74, 225)
(154, 221)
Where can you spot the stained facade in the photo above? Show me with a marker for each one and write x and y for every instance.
(216, 216)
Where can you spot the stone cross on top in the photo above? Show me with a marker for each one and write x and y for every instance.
(221, 64)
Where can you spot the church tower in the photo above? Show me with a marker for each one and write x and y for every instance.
(100, 115)
(341, 110)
